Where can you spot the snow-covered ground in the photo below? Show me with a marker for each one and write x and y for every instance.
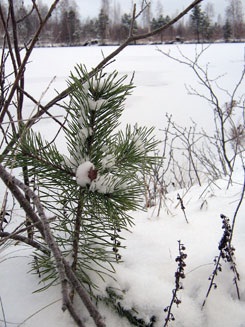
(147, 274)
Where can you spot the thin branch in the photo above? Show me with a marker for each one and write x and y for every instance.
(11, 182)
(25, 60)
(28, 119)
(239, 205)
(24, 239)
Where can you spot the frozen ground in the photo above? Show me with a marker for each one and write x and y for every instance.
(147, 273)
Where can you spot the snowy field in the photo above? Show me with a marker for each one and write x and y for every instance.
(147, 274)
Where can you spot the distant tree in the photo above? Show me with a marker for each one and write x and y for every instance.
(4, 13)
(207, 28)
(24, 23)
(146, 17)
(70, 24)
(180, 29)
(103, 21)
(90, 30)
(209, 11)
(227, 30)
(25, 20)
(126, 25)
(200, 23)
(234, 14)
(105, 6)
(159, 8)
(116, 13)
(158, 22)
(196, 21)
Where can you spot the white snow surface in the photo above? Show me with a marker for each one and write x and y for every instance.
(147, 273)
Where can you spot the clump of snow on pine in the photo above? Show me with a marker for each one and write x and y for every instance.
(104, 184)
(108, 161)
(85, 133)
(95, 104)
(82, 173)
(138, 143)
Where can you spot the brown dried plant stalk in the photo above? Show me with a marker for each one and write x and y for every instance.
(179, 274)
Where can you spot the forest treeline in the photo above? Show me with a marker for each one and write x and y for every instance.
(69, 27)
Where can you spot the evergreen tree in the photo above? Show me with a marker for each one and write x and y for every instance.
(234, 14)
(200, 23)
(103, 22)
(206, 28)
(196, 20)
(227, 30)
(90, 192)
(159, 22)
(70, 27)
(126, 25)
(90, 30)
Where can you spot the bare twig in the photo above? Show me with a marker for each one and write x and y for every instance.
(182, 206)
(2, 308)
(23, 239)
(22, 66)
(238, 206)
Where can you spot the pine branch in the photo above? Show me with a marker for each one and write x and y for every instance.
(65, 272)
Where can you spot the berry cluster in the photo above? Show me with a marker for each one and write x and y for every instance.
(179, 274)
(116, 244)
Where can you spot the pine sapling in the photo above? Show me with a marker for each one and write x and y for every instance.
(179, 274)
(91, 189)
(227, 254)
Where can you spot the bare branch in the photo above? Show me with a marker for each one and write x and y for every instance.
(13, 236)
(24, 61)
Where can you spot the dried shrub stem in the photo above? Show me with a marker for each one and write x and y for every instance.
(179, 274)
